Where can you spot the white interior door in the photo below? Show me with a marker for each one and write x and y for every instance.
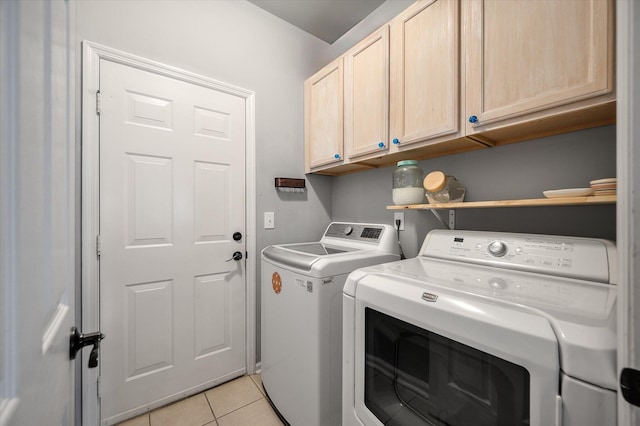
(37, 217)
(172, 196)
(628, 231)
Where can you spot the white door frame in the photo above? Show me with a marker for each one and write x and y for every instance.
(92, 53)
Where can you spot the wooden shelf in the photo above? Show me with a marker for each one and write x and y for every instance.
(533, 202)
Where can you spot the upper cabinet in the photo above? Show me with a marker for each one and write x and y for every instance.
(366, 96)
(323, 117)
(425, 73)
(530, 61)
(425, 93)
(449, 76)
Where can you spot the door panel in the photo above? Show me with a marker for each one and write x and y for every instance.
(149, 197)
(148, 306)
(211, 183)
(172, 182)
(212, 333)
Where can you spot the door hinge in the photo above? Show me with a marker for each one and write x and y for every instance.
(98, 245)
(98, 102)
(99, 387)
(630, 385)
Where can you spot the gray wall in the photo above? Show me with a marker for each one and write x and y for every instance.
(236, 42)
(521, 170)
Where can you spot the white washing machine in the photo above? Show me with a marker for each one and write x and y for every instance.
(302, 317)
(484, 329)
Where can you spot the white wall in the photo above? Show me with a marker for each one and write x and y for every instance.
(236, 42)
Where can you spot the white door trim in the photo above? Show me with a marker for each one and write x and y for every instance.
(92, 53)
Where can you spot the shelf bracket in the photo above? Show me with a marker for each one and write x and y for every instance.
(452, 218)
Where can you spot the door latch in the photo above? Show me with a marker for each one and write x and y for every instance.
(236, 256)
(630, 385)
(79, 341)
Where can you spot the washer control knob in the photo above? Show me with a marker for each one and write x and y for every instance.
(348, 230)
(497, 248)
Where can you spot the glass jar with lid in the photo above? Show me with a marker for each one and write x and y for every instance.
(407, 183)
(443, 189)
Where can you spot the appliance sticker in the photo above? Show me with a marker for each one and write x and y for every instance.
(276, 282)
(300, 282)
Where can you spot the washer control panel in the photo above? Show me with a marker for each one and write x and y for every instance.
(352, 231)
(574, 257)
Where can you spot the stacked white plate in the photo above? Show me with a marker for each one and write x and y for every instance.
(606, 186)
(569, 192)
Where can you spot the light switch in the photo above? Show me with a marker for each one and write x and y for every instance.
(269, 220)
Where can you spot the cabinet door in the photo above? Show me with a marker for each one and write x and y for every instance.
(523, 57)
(425, 71)
(366, 115)
(324, 129)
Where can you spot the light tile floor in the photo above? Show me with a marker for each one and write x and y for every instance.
(240, 402)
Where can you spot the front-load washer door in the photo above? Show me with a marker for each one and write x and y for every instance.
(425, 356)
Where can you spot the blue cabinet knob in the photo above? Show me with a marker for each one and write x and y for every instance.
(396, 141)
(381, 145)
(336, 156)
(473, 119)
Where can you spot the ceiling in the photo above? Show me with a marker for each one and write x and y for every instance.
(326, 19)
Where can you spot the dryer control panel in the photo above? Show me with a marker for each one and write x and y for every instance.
(573, 257)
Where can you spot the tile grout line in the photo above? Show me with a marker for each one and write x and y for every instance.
(256, 385)
(210, 406)
(209, 403)
(240, 408)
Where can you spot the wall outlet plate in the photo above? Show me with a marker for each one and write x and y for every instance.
(398, 216)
